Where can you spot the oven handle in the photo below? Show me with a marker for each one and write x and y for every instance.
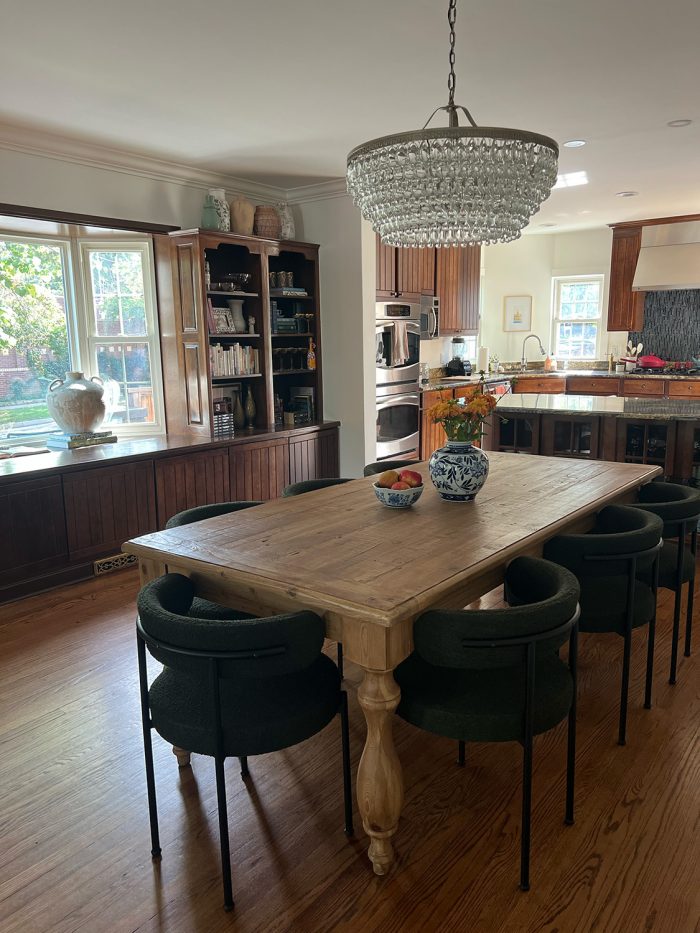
(393, 400)
(410, 325)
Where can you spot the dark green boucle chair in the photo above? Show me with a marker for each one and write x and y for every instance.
(310, 485)
(381, 465)
(495, 676)
(203, 608)
(232, 687)
(623, 543)
(679, 509)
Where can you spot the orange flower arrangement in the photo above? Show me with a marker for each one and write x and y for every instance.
(463, 419)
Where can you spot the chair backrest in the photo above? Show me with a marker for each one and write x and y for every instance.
(546, 609)
(677, 506)
(619, 531)
(308, 485)
(245, 648)
(381, 465)
(200, 512)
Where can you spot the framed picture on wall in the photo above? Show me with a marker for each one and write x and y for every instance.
(517, 313)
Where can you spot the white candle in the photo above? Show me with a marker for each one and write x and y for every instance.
(482, 360)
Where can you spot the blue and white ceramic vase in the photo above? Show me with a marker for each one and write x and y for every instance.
(458, 470)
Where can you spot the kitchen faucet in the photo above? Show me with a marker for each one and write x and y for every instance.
(523, 361)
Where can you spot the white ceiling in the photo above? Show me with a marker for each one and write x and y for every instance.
(279, 92)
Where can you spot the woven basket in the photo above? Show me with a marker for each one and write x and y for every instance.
(267, 222)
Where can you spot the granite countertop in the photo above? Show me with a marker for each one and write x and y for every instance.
(601, 373)
(455, 382)
(653, 409)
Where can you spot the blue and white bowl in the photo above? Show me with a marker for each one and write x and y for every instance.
(397, 498)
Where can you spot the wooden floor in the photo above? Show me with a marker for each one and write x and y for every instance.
(74, 842)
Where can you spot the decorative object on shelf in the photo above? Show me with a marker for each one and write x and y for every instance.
(242, 216)
(221, 206)
(251, 324)
(460, 469)
(210, 216)
(279, 410)
(250, 410)
(75, 403)
(238, 412)
(287, 230)
(207, 276)
(74, 441)
(311, 355)
(452, 186)
(221, 321)
(234, 281)
(517, 313)
(237, 319)
(267, 222)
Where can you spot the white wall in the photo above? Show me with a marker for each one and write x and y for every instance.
(347, 267)
(526, 267)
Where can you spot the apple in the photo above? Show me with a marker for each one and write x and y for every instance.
(400, 485)
(411, 478)
(387, 479)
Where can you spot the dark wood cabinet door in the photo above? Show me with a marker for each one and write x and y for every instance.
(561, 436)
(457, 285)
(625, 307)
(415, 272)
(386, 270)
(192, 479)
(259, 471)
(33, 538)
(432, 436)
(314, 456)
(652, 442)
(108, 505)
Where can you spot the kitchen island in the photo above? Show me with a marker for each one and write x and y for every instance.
(663, 432)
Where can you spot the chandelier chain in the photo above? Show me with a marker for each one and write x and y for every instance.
(452, 78)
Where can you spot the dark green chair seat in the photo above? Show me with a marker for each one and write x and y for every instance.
(679, 509)
(203, 608)
(232, 687)
(622, 546)
(381, 465)
(495, 676)
(310, 485)
(482, 706)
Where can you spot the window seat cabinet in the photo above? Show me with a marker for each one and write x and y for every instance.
(63, 511)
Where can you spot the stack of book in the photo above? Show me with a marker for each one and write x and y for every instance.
(236, 360)
(87, 439)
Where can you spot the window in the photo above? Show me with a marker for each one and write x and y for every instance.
(72, 304)
(577, 317)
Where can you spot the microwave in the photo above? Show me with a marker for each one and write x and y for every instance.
(425, 313)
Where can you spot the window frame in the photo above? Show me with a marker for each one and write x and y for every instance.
(82, 341)
(557, 282)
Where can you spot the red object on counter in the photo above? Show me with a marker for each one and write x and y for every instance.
(650, 362)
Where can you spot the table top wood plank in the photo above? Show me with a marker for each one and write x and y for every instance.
(341, 551)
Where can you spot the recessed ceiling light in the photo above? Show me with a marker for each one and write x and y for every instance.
(626, 194)
(571, 180)
(547, 225)
(585, 212)
(676, 123)
(575, 143)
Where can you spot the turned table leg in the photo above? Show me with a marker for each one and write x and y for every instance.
(379, 779)
(182, 755)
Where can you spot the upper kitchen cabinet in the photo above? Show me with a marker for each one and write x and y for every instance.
(625, 307)
(457, 281)
(404, 273)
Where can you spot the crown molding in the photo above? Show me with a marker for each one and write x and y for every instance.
(62, 148)
(334, 188)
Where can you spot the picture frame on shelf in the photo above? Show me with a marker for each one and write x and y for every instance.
(221, 321)
(517, 313)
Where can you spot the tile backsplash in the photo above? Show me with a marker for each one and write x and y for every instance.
(671, 324)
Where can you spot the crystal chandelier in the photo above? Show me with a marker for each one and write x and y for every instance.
(455, 185)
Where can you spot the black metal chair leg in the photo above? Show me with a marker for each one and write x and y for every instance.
(340, 660)
(461, 753)
(689, 618)
(624, 692)
(223, 833)
(148, 751)
(527, 811)
(244, 767)
(571, 734)
(651, 638)
(676, 634)
(347, 782)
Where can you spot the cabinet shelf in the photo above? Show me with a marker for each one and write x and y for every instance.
(292, 372)
(236, 294)
(220, 380)
(231, 336)
(276, 297)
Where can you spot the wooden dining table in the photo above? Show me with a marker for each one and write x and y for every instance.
(370, 571)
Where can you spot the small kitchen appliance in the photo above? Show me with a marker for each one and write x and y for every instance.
(459, 365)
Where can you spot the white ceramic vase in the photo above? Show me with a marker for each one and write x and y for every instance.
(222, 209)
(75, 403)
(458, 470)
(236, 306)
(287, 220)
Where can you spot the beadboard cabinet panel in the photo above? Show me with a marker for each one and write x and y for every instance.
(33, 538)
(457, 285)
(259, 471)
(189, 480)
(625, 307)
(313, 456)
(106, 506)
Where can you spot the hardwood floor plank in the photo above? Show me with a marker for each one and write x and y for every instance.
(74, 840)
